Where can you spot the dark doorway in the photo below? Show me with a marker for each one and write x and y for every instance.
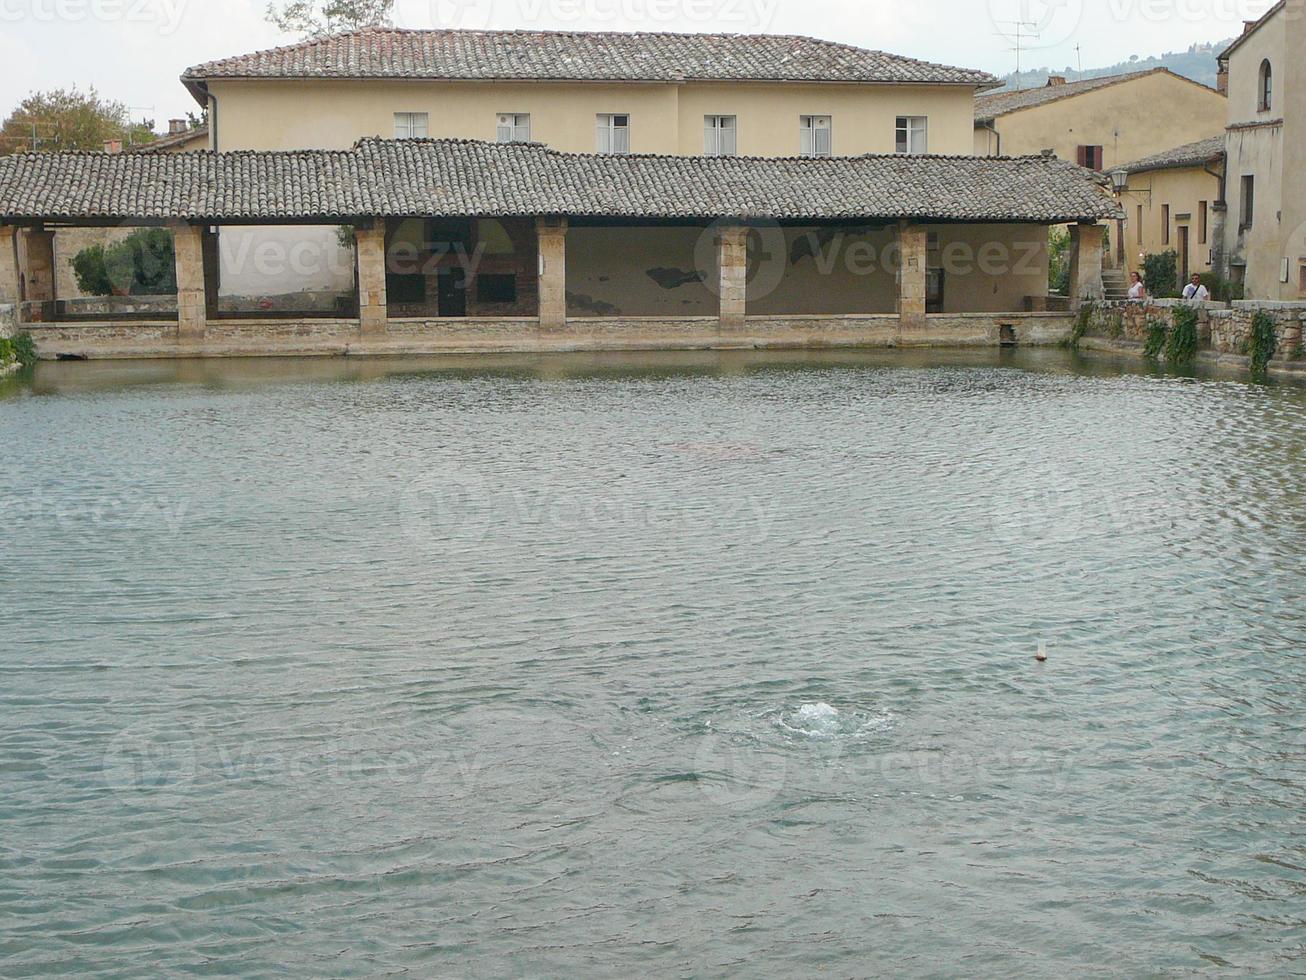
(452, 292)
(1183, 255)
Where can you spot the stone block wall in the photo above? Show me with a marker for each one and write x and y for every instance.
(1231, 330)
(1219, 329)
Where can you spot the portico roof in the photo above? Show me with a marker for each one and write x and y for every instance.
(393, 178)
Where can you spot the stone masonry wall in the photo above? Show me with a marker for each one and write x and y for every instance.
(1222, 330)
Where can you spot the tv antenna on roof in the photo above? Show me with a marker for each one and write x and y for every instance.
(1020, 36)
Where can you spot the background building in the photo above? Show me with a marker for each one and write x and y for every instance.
(1265, 145)
(1099, 123)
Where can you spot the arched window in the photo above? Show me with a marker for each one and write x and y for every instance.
(1267, 86)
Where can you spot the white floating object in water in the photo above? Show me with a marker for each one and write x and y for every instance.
(1042, 655)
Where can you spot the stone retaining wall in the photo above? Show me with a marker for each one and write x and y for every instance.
(8, 319)
(271, 337)
(1219, 328)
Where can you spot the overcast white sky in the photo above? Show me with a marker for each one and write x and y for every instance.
(133, 50)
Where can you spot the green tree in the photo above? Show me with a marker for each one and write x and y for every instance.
(68, 119)
(142, 264)
(318, 18)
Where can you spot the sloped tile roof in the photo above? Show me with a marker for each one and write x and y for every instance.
(995, 104)
(1189, 155)
(166, 144)
(391, 178)
(593, 56)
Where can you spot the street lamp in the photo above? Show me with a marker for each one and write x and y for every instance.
(1120, 180)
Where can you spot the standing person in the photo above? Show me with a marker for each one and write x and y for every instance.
(1196, 291)
(1137, 291)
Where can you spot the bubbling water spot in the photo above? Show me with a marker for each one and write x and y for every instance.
(824, 722)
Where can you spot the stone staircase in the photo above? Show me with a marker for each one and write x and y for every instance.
(1116, 285)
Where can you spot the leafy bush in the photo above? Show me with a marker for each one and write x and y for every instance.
(1181, 346)
(1083, 320)
(20, 348)
(1115, 328)
(142, 264)
(1059, 261)
(1161, 274)
(1263, 342)
(1222, 290)
(1155, 339)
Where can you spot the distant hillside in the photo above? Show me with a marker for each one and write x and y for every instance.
(1197, 63)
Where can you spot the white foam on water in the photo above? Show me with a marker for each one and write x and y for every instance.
(824, 722)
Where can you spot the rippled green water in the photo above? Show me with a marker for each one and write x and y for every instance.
(682, 665)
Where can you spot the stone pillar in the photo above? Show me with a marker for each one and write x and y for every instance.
(552, 234)
(8, 264)
(1086, 264)
(1219, 223)
(370, 246)
(192, 309)
(732, 275)
(913, 244)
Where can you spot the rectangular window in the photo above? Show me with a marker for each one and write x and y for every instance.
(720, 136)
(1202, 222)
(1090, 157)
(1248, 203)
(913, 134)
(613, 133)
(1165, 224)
(1301, 288)
(411, 125)
(514, 127)
(816, 136)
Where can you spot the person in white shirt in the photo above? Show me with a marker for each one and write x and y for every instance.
(1137, 291)
(1196, 291)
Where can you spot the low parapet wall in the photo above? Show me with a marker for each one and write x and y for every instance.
(524, 334)
(1220, 328)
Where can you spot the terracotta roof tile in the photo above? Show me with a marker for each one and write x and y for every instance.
(385, 178)
(610, 56)
(1189, 155)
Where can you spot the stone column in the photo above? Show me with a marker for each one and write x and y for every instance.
(192, 309)
(8, 264)
(913, 243)
(1086, 264)
(1219, 223)
(552, 233)
(732, 266)
(372, 312)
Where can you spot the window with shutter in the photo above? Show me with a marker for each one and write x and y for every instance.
(411, 125)
(613, 133)
(719, 136)
(816, 139)
(913, 135)
(514, 127)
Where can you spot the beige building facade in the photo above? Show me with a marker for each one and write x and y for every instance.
(1173, 201)
(1101, 123)
(680, 95)
(1265, 235)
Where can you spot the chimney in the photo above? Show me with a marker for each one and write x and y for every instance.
(1055, 80)
(176, 126)
(113, 146)
(1222, 79)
